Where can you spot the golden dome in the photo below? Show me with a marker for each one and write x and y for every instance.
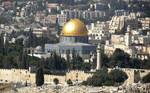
(74, 28)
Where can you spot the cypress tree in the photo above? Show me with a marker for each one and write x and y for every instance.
(39, 77)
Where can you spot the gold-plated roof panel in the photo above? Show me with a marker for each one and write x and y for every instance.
(74, 27)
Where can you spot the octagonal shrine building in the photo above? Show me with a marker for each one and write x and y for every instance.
(73, 39)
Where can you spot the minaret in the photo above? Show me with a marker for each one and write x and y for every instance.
(128, 36)
(4, 38)
(4, 44)
(98, 65)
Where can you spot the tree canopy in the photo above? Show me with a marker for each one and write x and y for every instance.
(56, 81)
(118, 76)
(39, 77)
(119, 58)
(103, 78)
(146, 79)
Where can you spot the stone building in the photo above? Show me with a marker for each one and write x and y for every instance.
(135, 45)
(98, 32)
(81, 14)
(119, 23)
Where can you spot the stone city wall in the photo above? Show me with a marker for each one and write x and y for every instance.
(22, 75)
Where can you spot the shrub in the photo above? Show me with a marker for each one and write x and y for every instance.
(69, 82)
(146, 79)
(118, 76)
(56, 81)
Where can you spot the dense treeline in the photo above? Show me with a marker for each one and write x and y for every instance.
(9, 54)
(13, 56)
(103, 78)
(56, 63)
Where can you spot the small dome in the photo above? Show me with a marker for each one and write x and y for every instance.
(38, 48)
(74, 28)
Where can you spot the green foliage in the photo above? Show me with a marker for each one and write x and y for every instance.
(118, 76)
(103, 78)
(33, 61)
(34, 41)
(135, 63)
(69, 82)
(98, 80)
(55, 62)
(1, 44)
(119, 58)
(122, 59)
(78, 63)
(56, 81)
(105, 60)
(146, 79)
(39, 77)
(109, 83)
(145, 64)
(9, 54)
(3, 20)
(19, 58)
(84, 83)
(86, 66)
